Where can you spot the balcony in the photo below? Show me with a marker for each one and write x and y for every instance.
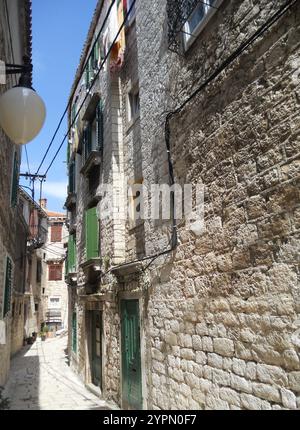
(70, 203)
(92, 269)
(71, 278)
(38, 240)
(53, 316)
(93, 159)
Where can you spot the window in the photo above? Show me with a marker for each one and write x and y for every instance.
(92, 65)
(55, 272)
(135, 200)
(91, 233)
(93, 133)
(133, 105)
(15, 181)
(74, 332)
(38, 271)
(36, 307)
(56, 231)
(54, 302)
(197, 20)
(8, 286)
(131, 16)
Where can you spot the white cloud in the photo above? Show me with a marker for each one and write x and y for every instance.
(55, 189)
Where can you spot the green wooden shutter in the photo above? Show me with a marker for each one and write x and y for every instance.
(72, 177)
(91, 233)
(68, 151)
(74, 332)
(87, 141)
(8, 287)
(15, 181)
(87, 75)
(96, 53)
(99, 126)
(72, 254)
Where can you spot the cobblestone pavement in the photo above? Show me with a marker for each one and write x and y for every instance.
(40, 378)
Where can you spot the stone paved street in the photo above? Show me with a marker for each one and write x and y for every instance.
(40, 378)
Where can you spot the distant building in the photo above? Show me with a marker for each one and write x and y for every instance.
(35, 218)
(54, 292)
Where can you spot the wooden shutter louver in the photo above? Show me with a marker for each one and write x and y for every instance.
(72, 254)
(55, 272)
(56, 232)
(74, 332)
(92, 233)
(99, 126)
(72, 177)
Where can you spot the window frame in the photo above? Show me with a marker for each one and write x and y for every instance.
(52, 234)
(188, 40)
(5, 311)
(132, 91)
(56, 304)
(50, 267)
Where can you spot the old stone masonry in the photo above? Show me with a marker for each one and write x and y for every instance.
(167, 277)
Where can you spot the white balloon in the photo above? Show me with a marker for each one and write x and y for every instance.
(22, 114)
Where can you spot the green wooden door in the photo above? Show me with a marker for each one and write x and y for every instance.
(74, 332)
(131, 355)
(96, 321)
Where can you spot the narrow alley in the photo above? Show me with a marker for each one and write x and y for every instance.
(40, 378)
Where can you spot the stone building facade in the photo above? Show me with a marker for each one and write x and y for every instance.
(54, 291)
(14, 14)
(166, 314)
(27, 306)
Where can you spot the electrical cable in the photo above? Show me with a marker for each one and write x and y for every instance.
(272, 20)
(93, 83)
(72, 95)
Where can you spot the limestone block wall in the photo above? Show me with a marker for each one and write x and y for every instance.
(223, 313)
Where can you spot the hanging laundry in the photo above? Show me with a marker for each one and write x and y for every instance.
(118, 49)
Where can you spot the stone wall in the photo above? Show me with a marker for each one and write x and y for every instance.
(220, 314)
(8, 214)
(223, 314)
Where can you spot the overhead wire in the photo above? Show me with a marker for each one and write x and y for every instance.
(92, 84)
(72, 95)
(272, 20)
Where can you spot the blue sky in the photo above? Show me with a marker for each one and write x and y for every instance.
(59, 31)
